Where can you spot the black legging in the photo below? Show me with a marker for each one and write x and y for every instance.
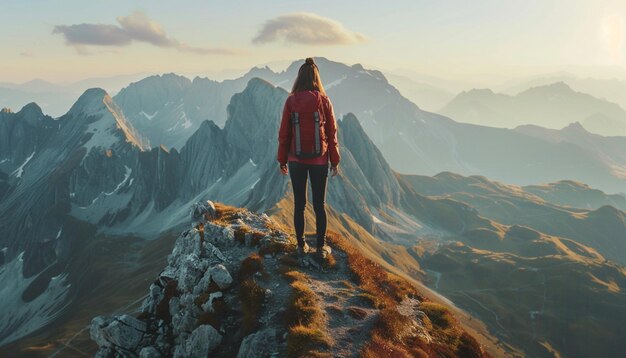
(318, 174)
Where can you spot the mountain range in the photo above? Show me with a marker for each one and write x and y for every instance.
(85, 193)
(552, 105)
(412, 140)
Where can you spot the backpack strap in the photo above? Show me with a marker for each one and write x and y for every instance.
(295, 117)
(317, 132)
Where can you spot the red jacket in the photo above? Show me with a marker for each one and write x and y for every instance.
(308, 100)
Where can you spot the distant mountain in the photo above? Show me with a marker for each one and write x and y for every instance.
(577, 195)
(56, 98)
(609, 89)
(426, 96)
(552, 106)
(596, 224)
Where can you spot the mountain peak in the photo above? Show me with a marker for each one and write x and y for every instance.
(257, 82)
(575, 127)
(556, 87)
(96, 102)
(90, 102)
(31, 109)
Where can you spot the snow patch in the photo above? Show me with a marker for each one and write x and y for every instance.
(252, 162)
(336, 82)
(126, 176)
(19, 318)
(20, 170)
(149, 116)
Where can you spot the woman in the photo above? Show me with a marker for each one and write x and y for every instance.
(307, 141)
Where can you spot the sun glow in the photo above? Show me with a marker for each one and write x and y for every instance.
(613, 34)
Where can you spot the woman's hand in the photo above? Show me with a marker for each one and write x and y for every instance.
(283, 169)
(333, 171)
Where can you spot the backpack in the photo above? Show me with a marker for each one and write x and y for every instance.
(308, 135)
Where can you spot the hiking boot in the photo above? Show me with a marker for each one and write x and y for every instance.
(302, 250)
(322, 252)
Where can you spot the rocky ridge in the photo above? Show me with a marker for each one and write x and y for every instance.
(226, 292)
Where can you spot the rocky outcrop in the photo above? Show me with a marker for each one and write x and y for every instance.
(178, 316)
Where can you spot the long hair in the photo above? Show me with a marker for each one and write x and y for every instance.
(308, 78)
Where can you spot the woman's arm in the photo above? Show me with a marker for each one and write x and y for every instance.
(284, 135)
(330, 128)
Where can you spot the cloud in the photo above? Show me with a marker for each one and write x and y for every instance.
(93, 34)
(26, 53)
(134, 27)
(307, 28)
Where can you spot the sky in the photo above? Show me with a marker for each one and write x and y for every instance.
(65, 41)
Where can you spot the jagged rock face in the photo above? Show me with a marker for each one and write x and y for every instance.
(21, 134)
(168, 109)
(196, 278)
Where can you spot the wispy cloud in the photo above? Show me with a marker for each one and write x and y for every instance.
(307, 28)
(26, 53)
(134, 27)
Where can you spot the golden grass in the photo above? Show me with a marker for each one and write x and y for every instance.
(357, 312)
(304, 341)
(305, 320)
(304, 308)
(276, 247)
(395, 335)
(251, 265)
(252, 297)
(384, 287)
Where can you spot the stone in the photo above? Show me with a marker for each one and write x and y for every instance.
(167, 275)
(179, 352)
(221, 276)
(203, 341)
(203, 284)
(258, 344)
(190, 271)
(174, 306)
(183, 322)
(105, 353)
(185, 245)
(248, 238)
(149, 352)
(214, 252)
(95, 330)
(208, 305)
(125, 331)
(202, 211)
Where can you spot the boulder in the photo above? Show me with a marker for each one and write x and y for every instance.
(191, 270)
(258, 344)
(208, 305)
(96, 330)
(203, 211)
(149, 352)
(203, 341)
(125, 331)
(221, 276)
(185, 245)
